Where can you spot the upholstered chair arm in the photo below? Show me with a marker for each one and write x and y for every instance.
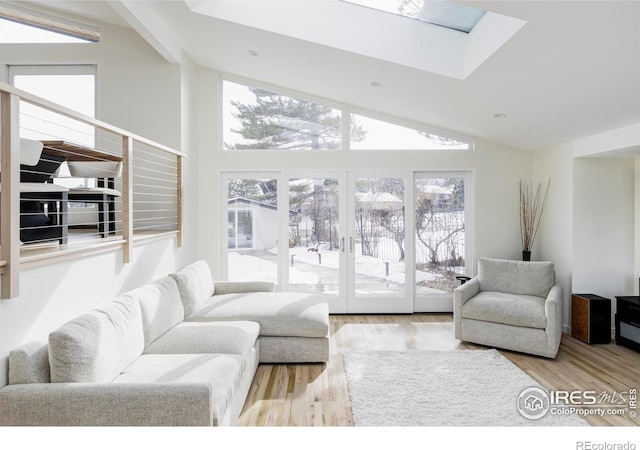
(460, 296)
(242, 287)
(553, 311)
(465, 291)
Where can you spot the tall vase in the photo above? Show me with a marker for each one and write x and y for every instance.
(526, 255)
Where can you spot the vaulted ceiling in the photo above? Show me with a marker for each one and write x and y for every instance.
(559, 71)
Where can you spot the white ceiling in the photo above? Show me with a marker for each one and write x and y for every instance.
(572, 71)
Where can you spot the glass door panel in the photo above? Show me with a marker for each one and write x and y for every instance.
(377, 246)
(252, 229)
(440, 239)
(314, 235)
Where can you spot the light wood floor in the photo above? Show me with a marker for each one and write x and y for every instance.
(317, 394)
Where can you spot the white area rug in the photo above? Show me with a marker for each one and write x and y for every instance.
(457, 388)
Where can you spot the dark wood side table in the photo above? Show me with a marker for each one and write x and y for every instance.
(628, 321)
(591, 318)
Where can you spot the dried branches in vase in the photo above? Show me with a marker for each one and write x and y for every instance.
(531, 208)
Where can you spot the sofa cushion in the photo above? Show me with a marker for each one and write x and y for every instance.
(160, 306)
(222, 372)
(278, 313)
(195, 285)
(99, 345)
(29, 363)
(516, 277)
(207, 337)
(499, 307)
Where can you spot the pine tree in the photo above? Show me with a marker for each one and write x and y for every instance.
(283, 123)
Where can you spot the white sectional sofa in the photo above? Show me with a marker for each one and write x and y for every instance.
(181, 350)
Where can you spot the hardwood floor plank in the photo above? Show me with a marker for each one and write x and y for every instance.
(318, 394)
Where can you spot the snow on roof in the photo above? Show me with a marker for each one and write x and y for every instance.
(379, 200)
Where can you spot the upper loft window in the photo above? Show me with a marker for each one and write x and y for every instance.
(24, 26)
(444, 13)
(258, 119)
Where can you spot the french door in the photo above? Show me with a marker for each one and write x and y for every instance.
(346, 239)
(378, 246)
(370, 242)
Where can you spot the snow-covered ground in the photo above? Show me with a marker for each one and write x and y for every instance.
(245, 267)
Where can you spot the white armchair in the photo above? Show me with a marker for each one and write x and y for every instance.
(514, 305)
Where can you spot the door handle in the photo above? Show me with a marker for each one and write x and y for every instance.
(351, 245)
(342, 244)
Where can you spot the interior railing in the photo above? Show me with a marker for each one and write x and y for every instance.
(72, 185)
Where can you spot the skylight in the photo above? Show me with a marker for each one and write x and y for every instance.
(444, 13)
(409, 42)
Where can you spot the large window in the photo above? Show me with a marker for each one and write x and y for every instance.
(381, 135)
(256, 119)
(252, 228)
(259, 119)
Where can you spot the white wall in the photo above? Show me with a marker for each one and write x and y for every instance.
(140, 92)
(496, 171)
(589, 227)
(603, 227)
(554, 241)
(189, 145)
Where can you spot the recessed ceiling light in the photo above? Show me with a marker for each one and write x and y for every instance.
(500, 116)
(253, 52)
(376, 84)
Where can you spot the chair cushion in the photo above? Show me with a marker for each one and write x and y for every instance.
(30, 151)
(237, 338)
(195, 285)
(516, 277)
(97, 346)
(95, 169)
(278, 313)
(160, 306)
(29, 363)
(499, 307)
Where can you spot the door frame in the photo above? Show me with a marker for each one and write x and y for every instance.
(347, 302)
